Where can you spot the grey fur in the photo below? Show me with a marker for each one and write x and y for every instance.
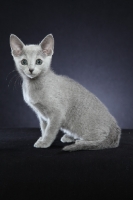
(61, 103)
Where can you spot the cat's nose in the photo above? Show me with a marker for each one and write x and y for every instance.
(31, 70)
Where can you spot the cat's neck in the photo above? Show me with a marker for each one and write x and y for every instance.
(38, 81)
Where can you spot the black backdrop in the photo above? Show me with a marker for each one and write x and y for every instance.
(93, 45)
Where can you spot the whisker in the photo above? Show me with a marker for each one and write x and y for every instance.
(11, 72)
(12, 79)
(14, 87)
(20, 82)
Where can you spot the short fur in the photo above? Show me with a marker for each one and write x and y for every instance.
(61, 103)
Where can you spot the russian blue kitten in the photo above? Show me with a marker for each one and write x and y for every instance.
(60, 102)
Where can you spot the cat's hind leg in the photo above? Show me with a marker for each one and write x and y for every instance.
(82, 145)
(90, 145)
(67, 138)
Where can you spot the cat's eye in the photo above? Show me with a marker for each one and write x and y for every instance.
(24, 62)
(38, 62)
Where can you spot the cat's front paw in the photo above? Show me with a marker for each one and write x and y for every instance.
(41, 144)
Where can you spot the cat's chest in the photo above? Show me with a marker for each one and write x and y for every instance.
(30, 96)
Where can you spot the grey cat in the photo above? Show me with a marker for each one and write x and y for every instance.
(60, 102)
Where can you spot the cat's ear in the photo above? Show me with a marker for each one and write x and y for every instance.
(47, 45)
(16, 45)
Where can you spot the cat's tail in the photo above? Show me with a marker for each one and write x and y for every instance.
(112, 141)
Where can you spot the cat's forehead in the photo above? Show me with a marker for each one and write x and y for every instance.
(32, 49)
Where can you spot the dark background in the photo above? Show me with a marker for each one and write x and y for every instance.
(93, 45)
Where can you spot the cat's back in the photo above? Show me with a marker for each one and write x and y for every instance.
(67, 94)
(75, 90)
(80, 98)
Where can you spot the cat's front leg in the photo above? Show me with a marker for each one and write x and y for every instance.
(39, 142)
(52, 128)
(67, 138)
(43, 125)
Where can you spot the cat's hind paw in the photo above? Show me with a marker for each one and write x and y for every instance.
(66, 138)
(70, 148)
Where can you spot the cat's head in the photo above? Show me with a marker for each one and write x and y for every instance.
(32, 60)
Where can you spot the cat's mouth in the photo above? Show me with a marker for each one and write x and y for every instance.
(31, 75)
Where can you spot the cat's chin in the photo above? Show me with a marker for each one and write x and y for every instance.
(32, 76)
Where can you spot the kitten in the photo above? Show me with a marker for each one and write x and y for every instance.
(60, 102)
